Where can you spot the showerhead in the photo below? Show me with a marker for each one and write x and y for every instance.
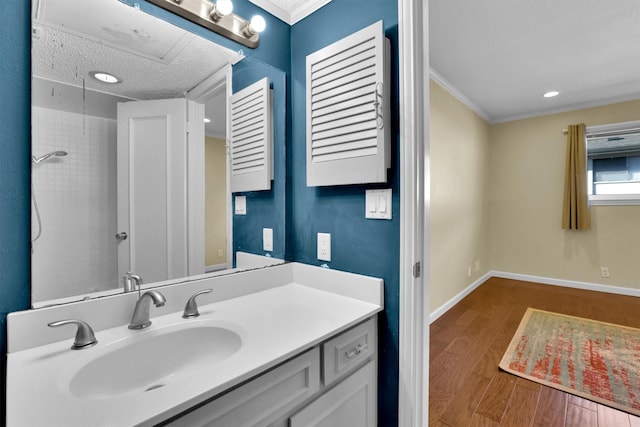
(46, 156)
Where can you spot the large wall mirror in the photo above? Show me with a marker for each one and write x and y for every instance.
(92, 139)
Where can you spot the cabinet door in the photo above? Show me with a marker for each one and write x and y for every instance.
(348, 110)
(350, 403)
(251, 145)
(262, 400)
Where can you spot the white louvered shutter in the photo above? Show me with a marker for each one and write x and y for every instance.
(251, 144)
(348, 110)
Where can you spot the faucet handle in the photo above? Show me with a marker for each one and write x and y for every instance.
(191, 309)
(85, 337)
(131, 281)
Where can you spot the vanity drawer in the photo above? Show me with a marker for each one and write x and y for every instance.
(349, 350)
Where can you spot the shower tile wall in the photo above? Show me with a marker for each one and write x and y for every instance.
(76, 196)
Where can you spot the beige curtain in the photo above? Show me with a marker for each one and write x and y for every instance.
(575, 209)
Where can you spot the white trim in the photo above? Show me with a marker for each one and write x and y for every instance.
(195, 188)
(293, 16)
(588, 286)
(215, 267)
(455, 92)
(611, 127)
(565, 109)
(614, 200)
(435, 314)
(413, 362)
(229, 91)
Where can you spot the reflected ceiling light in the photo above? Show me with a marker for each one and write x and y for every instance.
(105, 77)
(207, 120)
(551, 94)
(218, 17)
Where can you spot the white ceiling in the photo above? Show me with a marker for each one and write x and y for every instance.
(500, 56)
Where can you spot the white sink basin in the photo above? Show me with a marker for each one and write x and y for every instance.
(151, 360)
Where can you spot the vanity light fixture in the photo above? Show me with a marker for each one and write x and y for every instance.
(551, 94)
(105, 77)
(218, 17)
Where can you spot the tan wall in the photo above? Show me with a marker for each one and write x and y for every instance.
(215, 201)
(459, 221)
(526, 187)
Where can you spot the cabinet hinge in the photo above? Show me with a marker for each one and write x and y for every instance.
(416, 270)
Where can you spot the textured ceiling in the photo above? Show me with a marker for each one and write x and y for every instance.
(153, 58)
(502, 55)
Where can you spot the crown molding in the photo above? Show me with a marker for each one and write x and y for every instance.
(568, 108)
(457, 94)
(293, 16)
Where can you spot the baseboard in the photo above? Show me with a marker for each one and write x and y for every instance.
(456, 299)
(588, 286)
(215, 267)
(567, 283)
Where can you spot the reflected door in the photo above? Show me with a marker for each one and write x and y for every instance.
(161, 188)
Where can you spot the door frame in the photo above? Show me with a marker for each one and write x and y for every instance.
(413, 381)
(220, 80)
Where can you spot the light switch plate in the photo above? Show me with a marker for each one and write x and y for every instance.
(267, 239)
(324, 246)
(241, 205)
(378, 204)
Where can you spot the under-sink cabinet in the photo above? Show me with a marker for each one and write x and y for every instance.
(332, 384)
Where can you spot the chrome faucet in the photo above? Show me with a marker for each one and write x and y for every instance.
(140, 318)
(131, 281)
(84, 335)
(191, 308)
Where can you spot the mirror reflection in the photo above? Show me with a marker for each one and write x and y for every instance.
(129, 169)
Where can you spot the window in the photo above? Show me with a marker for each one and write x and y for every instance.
(613, 164)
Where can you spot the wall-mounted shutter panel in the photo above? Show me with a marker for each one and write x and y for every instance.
(348, 110)
(251, 145)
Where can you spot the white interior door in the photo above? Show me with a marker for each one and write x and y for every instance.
(160, 195)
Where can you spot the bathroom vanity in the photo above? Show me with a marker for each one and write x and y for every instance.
(286, 345)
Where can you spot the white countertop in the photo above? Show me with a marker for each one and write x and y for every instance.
(275, 325)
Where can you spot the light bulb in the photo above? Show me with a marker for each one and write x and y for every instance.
(258, 23)
(224, 7)
(220, 9)
(551, 94)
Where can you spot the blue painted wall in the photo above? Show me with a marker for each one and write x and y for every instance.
(265, 209)
(15, 165)
(358, 245)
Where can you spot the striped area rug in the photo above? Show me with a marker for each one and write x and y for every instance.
(594, 360)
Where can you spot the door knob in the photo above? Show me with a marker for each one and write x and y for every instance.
(121, 236)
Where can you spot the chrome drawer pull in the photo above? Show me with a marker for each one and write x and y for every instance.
(356, 351)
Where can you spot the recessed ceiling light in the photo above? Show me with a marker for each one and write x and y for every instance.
(551, 94)
(105, 77)
(207, 120)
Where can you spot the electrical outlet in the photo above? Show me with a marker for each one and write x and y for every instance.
(220, 253)
(605, 271)
(469, 271)
(324, 246)
(267, 239)
(476, 266)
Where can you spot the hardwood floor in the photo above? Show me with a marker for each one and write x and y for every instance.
(466, 388)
